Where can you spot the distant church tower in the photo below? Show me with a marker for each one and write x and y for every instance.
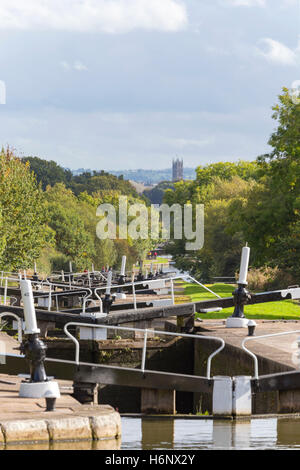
(177, 170)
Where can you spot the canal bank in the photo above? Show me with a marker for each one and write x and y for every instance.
(24, 420)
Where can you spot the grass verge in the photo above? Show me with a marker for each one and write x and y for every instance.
(286, 309)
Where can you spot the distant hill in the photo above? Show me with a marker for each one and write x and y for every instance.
(50, 173)
(151, 177)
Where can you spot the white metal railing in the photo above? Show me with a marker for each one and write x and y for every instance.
(87, 297)
(50, 285)
(76, 276)
(252, 338)
(145, 333)
(133, 284)
(19, 320)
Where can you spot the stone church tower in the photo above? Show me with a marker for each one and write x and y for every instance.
(177, 170)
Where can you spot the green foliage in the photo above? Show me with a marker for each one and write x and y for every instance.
(2, 235)
(64, 217)
(226, 171)
(270, 216)
(156, 194)
(48, 172)
(22, 219)
(257, 202)
(100, 181)
(220, 255)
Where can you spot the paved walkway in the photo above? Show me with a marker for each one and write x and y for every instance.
(25, 419)
(279, 349)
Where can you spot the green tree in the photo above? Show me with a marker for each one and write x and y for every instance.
(48, 172)
(220, 255)
(23, 218)
(270, 216)
(64, 217)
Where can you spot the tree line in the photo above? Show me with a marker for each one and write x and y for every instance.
(48, 215)
(256, 202)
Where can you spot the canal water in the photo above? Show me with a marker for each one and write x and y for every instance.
(200, 434)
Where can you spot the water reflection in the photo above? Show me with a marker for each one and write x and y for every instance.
(157, 434)
(288, 433)
(105, 444)
(268, 433)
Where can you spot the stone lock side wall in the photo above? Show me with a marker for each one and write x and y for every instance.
(234, 361)
(106, 425)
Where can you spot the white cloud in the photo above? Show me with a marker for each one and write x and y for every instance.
(277, 53)
(109, 16)
(77, 65)
(244, 3)
(183, 143)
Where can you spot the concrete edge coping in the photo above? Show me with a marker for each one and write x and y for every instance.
(63, 429)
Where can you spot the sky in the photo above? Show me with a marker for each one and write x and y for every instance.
(125, 84)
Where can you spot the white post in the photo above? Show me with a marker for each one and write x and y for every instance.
(123, 266)
(34, 268)
(29, 310)
(134, 296)
(63, 276)
(144, 351)
(244, 265)
(5, 292)
(108, 285)
(70, 267)
(172, 292)
(50, 299)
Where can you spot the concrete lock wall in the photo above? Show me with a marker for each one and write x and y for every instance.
(235, 362)
(179, 356)
(175, 356)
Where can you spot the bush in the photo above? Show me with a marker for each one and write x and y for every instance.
(267, 278)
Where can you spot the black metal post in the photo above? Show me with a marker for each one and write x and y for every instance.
(240, 298)
(35, 352)
(107, 302)
(121, 281)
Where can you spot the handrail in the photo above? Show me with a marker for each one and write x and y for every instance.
(89, 292)
(10, 314)
(149, 281)
(252, 338)
(89, 300)
(84, 290)
(145, 332)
